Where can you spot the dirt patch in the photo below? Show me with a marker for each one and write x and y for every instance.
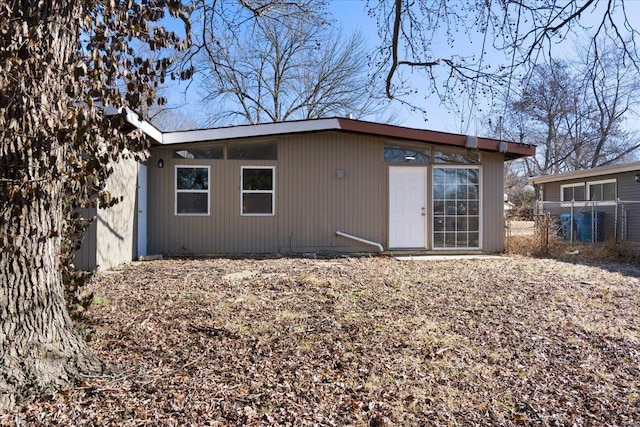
(358, 341)
(240, 275)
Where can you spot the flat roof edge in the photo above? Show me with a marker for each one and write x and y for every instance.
(510, 150)
(247, 131)
(144, 126)
(603, 170)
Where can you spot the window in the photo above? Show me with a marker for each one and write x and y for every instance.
(456, 207)
(569, 192)
(258, 191)
(192, 190)
(252, 151)
(213, 152)
(602, 191)
(443, 155)
(406, 154)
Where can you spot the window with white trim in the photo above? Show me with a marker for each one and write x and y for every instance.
(602, 191)
(569, 192)
(456, 207)
(192, 190)
(257, 191)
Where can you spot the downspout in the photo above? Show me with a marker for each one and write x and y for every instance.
(360, 239)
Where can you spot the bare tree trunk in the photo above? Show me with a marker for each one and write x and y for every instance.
(39, 347)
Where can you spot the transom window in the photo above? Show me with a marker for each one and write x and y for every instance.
(212, 152)
(445, 155)
(261, 150)
(258, 190)
(192, 190)
(252, 151)
(407, 154)
(426, 154)
(456, 207)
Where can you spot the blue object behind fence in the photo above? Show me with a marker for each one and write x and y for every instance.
(565, 223)
(590, 226)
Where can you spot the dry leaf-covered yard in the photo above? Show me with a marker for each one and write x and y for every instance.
(358, 341)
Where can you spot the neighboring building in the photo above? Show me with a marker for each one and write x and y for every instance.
(608, 198)
(326, 185)
(508, 206)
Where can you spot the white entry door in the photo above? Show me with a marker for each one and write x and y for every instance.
(407, 215)
(142, 210)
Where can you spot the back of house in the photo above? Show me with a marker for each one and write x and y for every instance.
(321, 186)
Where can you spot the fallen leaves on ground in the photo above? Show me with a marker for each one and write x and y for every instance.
(357, 341)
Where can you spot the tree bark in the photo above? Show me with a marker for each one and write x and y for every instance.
(39, 347)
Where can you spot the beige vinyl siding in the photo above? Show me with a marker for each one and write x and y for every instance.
(110, 239)
(224, 230)
(314, 202)
(311, 203)
(492, 203)
(115, 226)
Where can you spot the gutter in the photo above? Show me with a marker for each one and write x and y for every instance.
(361, 240)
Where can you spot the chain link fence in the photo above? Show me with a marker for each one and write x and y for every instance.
(597, 224)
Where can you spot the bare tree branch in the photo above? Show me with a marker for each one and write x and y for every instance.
(421, 35)
(285, 69)
(575, 113)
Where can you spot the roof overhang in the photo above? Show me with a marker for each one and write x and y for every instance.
(146, 127)
(587, 173)
(249, 131)
(510, 150)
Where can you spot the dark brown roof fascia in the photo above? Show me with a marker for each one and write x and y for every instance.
(513, 150)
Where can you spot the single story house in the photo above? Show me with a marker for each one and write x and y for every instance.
(326, 185)
(606, 200)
